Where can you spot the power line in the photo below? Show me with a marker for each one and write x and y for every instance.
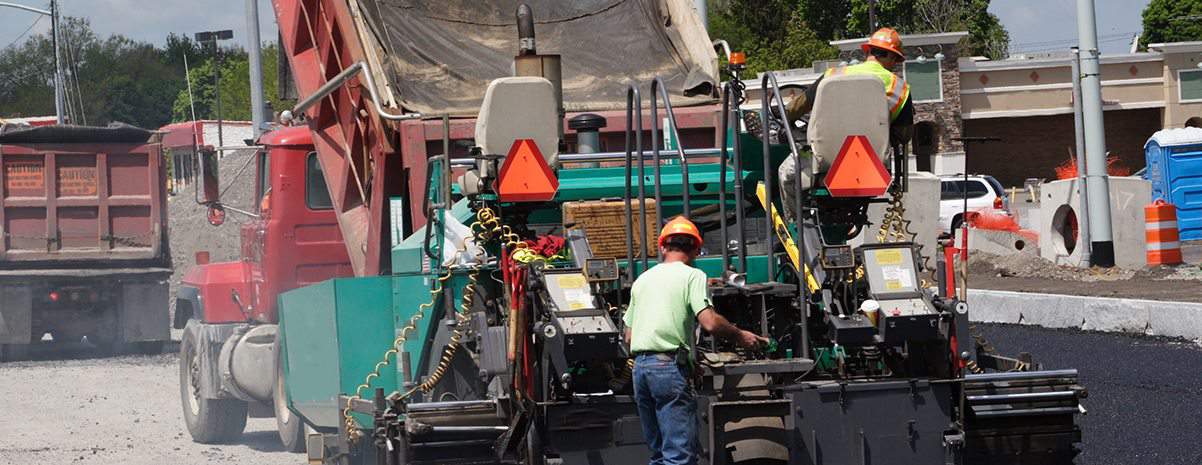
(30, 28)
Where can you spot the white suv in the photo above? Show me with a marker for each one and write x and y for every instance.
(984, 193)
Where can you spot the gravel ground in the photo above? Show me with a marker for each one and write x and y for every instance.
(1029, 273)
(1143, 391)
(122, 410)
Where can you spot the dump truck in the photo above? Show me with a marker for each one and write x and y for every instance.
(85, 251)
(482, 322)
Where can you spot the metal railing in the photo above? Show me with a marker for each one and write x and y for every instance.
(635, 117)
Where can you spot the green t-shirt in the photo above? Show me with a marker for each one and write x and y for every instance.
(664, 303)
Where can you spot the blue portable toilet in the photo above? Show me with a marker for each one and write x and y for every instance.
(1174, 158)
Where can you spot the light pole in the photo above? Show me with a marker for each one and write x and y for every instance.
(211, 38)
(58, 69)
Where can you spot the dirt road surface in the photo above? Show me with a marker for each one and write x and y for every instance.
(122, 410)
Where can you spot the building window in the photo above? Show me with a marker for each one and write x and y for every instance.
(926, 81)
(1189, 85)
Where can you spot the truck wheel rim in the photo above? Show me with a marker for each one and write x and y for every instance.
(194, 383)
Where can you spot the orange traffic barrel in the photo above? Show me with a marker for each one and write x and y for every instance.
(1160, 230)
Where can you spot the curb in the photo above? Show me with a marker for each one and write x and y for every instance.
(1148, 317)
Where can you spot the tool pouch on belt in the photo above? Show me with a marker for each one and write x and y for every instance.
(691, 370)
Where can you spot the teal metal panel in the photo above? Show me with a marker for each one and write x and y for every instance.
(365, 330)
(310, 341)
(334, 332)
(757, 266)
(599, 183)
(408, 293)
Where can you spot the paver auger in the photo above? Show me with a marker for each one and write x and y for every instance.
(496, 337)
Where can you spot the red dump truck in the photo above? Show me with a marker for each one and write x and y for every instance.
(83, 239)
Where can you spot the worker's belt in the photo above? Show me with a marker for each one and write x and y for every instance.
(660, 355)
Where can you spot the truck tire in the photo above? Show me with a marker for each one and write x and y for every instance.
(289, 425)
(209, 421)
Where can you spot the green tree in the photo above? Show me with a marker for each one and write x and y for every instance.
(107, 80)
(1171, 21)
(235, 87)
(773, 33)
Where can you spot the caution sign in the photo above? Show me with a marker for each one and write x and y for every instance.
(77, 181)
(24, 177)
(857, 171)
(525, 176)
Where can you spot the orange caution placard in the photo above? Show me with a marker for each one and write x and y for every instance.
(77, 181)
(24, 176)
(857, 171)
(525, 176)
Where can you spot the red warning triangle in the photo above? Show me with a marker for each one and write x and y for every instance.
(525, 176)
(857, 171)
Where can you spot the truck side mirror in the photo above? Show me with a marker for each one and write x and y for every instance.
(209, 191)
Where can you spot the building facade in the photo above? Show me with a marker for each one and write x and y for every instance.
(1027, 102)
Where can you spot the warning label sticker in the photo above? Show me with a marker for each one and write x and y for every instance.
(24, 176)
(76, 181)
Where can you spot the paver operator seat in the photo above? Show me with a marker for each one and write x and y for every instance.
(844, 105)
(519, 108)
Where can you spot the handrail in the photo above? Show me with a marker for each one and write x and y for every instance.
(725, 47)
(336, 82)
(725, 118)
(634, 99)
(803, 260)
(659, 89)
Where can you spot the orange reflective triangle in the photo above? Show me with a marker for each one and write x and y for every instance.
(857, 171)
(525, 176)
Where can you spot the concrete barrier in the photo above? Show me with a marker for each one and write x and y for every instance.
(1138, 316)
(997, 242)
(1060, 206)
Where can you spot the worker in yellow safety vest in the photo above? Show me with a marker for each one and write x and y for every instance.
(882, 57)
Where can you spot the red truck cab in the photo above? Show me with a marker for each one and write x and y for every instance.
(228, 309)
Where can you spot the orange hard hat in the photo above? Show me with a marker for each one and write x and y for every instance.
(887, 39)
(680, 225)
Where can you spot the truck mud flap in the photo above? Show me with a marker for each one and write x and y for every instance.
(143, 311)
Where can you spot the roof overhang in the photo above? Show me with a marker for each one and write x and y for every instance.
(909, 40)
(1177, 47)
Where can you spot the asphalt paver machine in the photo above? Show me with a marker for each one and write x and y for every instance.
(495, 335)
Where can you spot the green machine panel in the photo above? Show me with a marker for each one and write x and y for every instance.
(335, 332)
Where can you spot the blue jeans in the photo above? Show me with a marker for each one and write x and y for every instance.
(667, 409)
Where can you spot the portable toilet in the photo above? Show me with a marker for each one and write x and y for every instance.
(1174, 158)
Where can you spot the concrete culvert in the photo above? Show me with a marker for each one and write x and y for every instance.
(1064, 230)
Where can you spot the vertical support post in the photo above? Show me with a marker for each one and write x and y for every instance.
(59, 92)
(739, 211)
(702, 12)
(1079, 127)
(217, 93)
(1097, 182)
(630, 93)
(722, 177)
(254, 51)
(659, 200)
(769, 228)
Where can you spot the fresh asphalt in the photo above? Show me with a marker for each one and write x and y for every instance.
(1145, 393)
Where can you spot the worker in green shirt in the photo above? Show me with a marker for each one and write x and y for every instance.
(659, 328)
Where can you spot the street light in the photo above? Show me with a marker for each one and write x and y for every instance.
(58, 69)
(211, 38)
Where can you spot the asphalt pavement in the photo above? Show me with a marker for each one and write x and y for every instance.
(1145, 393)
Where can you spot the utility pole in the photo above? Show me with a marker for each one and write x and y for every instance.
(254, 50)
(59, 92)
(58, 69)
(702, 12)
(211, 37)
(1096, 181)
(1079, 126)
(871, 16)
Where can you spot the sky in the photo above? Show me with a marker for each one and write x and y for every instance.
(1034, 25)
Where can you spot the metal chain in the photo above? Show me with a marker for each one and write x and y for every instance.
(486, 227)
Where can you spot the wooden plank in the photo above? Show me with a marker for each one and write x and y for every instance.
(604, 222)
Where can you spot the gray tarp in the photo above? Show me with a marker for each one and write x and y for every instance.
(440, 55)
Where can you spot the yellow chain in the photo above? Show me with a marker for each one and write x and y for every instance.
(486, 227)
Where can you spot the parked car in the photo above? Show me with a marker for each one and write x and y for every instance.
(984, 193)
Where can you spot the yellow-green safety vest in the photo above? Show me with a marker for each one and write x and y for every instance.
(897, 91)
